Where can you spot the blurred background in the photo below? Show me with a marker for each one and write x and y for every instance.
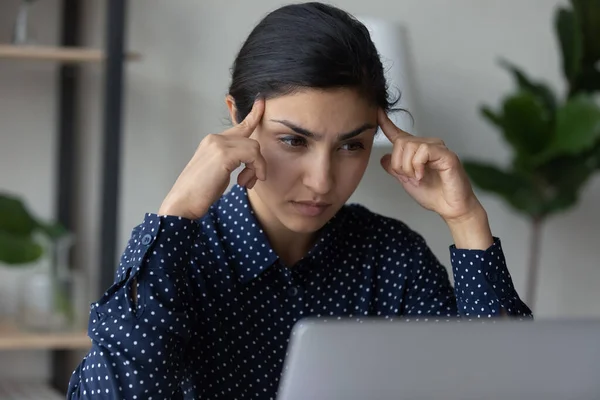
(175, 81)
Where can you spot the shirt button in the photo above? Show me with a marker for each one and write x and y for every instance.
(147, 239)
(493, 277)
(293, 291)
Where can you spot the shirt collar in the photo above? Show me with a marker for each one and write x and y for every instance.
(248, 247)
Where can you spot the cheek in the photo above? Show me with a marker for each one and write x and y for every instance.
(349, 172)
(282, 170)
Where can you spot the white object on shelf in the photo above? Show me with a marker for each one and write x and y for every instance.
(390, 39)
(28, 391)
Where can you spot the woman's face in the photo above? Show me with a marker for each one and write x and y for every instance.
(316, 144)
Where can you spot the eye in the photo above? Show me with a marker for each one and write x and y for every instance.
(293, 141)
(352, 146)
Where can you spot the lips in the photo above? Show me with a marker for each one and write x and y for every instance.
(310, 208)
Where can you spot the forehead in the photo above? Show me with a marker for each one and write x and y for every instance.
(328, 111)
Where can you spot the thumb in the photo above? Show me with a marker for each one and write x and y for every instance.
(386, 164)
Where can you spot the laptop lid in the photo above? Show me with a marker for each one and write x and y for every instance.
(384, 359)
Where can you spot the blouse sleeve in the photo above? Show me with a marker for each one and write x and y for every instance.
(483, 285)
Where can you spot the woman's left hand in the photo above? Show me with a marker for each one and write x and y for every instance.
(431, 173)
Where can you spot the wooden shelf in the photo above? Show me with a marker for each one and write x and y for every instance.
(61, 54)
(28, 391)
(12, 338)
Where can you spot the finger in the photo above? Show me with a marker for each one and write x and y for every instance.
(439, 158)
(248, 152)
(246, 176)
(420, 160)
(249, 124)
(396, 162)
(386, 163)
(408, 154)
(390, 130)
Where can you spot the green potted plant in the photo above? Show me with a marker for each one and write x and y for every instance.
(21, 234)
(24, 240)
(555, 139)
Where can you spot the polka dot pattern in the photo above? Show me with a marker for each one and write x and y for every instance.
(204, 309)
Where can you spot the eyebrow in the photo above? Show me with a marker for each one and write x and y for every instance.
(313, 135)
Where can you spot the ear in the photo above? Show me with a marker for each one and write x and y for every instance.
(230, 101)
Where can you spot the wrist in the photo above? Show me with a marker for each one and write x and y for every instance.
(471, 231)
(170, 208)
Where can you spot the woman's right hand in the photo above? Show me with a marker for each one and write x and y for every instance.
(207, 175)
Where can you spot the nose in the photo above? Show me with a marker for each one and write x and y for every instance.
(318, 175)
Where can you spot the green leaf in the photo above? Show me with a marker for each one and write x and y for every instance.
(543, 92)
(15, 249)
(588, 14)
(14, 217)
(568, 174)
(571, 42)
(514, 188)
(491, 116)
(527, 124)
(577, 127)
(564, 178)
(588, 80)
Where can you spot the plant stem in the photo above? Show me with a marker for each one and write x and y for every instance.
(534, 261)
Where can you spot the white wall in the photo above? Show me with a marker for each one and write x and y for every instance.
(175, 97)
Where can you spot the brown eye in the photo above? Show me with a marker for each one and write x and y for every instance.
(293, 141)
(352, 146)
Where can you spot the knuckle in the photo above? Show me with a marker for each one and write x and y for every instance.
(413, 145)
(209, 142)
(211, 139)
(399, 144)
(400, 141)
(216, 146)
(452, 158)
(425, 146)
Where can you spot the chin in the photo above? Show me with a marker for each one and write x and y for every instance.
(306, 225)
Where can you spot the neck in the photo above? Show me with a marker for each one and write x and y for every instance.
(289, 246)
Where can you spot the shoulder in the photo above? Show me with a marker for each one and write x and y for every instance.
(377, 228)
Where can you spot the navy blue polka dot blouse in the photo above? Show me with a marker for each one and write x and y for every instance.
(204, 309)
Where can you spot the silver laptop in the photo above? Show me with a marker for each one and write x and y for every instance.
(383, 360)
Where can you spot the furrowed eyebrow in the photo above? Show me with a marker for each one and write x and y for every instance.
(341, 137)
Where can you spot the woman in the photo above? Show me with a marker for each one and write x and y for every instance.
(209, 288)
